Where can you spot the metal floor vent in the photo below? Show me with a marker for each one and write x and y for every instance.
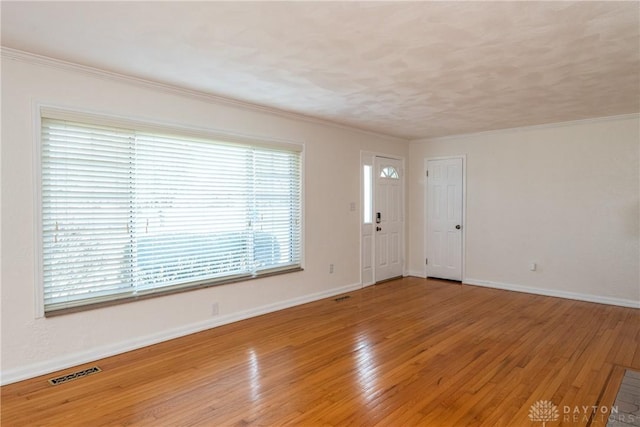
(342, 298)
(74, 375)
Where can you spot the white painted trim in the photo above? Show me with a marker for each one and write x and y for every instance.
(37, 212)
(600, 299)
(32, 58)
(464, 209)
(530, 127)
(416, 273)
(41, 368)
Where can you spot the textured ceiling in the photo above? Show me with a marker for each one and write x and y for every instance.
(410, 69)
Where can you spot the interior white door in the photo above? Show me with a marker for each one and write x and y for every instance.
(388, 218)
(444, 219)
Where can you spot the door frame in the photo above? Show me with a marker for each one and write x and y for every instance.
(367, 158)
(425, 239)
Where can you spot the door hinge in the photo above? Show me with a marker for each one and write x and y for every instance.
(426, 261)
(427, 174)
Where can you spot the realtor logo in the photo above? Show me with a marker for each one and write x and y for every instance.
(544, 411)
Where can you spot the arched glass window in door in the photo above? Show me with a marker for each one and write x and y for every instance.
(389, 172)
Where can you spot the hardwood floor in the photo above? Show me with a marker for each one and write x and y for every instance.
(406, 352)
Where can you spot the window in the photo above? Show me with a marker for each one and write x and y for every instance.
(367, 202)
(389, 172)
(126, 213)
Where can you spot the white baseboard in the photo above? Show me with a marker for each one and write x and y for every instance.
(83, 357)
(600, 299)
(416, 273)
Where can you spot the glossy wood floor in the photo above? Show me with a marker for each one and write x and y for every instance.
(406, 352)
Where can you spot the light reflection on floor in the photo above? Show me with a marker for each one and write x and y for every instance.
(366, 368)
(254, 375)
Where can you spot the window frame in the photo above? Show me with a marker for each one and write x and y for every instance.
(142, 125)
(388, 172)
(367, 193)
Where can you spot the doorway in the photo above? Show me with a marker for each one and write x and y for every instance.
(445, 209)
(382, 237)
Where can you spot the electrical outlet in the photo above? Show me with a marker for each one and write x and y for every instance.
(533, 266)
(214, 309)
(330, 268)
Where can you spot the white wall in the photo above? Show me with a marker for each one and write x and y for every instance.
(564, 196)
(32, 346)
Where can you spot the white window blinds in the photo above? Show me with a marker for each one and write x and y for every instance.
(127, 213)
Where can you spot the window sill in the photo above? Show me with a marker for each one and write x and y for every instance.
(169, 291)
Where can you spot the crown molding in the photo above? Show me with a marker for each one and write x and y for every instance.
(32, 58)
(8, 53)
(530, 127)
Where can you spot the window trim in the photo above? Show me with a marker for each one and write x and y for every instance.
(164, 128)
(41, 110)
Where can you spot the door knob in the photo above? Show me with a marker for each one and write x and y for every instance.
(378, 228)
(458, 227)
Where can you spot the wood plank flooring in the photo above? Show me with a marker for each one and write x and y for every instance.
(406, 352)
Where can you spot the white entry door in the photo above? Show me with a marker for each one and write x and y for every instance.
(444, 218)
(388, 218)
